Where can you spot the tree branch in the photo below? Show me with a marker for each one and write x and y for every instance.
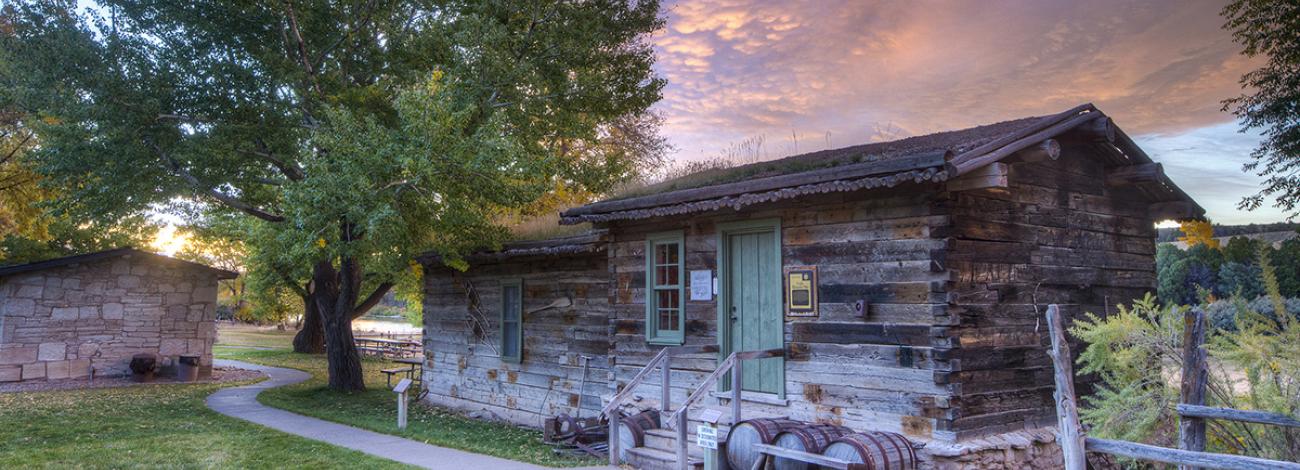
(371, 300)
(228, 200)
(302, 47)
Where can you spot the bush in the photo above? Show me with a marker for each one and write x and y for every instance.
(1254, 365)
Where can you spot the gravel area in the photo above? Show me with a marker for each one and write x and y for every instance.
(219, 374)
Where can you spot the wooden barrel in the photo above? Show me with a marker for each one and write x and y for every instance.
(874, 450)
(743, 436)
(631, 430)
(811, 438)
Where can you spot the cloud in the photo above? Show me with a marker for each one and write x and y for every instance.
(739, 68)
(811, 74)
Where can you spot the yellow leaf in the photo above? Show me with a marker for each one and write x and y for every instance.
(320, 242)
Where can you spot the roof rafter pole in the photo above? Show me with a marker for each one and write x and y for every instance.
(1135, 174)
(1049, 149)
(971, 160)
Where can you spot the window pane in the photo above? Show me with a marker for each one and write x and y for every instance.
(510, 302)
(661, 254)
(667, 298)
(510, 343)
(668, 319)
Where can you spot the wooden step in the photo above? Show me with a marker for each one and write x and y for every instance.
(666, 440)
(645, 458)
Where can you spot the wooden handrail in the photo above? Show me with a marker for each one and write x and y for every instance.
(661, 360)
(730, 363)
(640, 376)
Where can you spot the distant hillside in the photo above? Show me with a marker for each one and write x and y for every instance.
(1173, 233)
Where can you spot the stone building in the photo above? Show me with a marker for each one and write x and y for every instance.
(65, 317)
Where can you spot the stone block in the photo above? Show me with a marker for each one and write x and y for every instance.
(172, 347)
(34, 371)
(79, 368)
(89, 312)
(19, 307)
(178, 310)
(205, 294)
(29, 292)
(58, 370)
(86, 350)
(64, 313)
(121, 267)
(53, 293)
(11, 373)
(128, 282)
(176, 298)
(17, 354)
(72, 283)
(112, 311)
(52, 352)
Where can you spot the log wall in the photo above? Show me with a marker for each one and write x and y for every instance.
(874, 372)
(1056, 235)
(464, 372)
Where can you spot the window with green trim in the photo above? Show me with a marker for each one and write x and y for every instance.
(665, 289)
(512, 320)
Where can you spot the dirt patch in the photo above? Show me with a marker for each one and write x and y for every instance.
(219, 375)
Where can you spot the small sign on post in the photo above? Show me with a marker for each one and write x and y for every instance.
(400, 389)
(706, 436)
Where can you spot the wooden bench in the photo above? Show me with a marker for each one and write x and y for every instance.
(388, 373)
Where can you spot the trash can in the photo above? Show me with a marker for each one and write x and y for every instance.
(187, 368)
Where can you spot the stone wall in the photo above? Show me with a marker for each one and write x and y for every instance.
(59, 322)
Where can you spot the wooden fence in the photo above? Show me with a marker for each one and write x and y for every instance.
(1192, 410)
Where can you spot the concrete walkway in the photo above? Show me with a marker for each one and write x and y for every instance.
(241, 402)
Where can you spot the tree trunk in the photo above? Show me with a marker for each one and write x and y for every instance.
(311, 337)
(336, 294)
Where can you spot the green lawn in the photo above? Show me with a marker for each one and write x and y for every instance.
(157, 426)
(376, 410)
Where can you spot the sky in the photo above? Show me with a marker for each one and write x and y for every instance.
(795, 76)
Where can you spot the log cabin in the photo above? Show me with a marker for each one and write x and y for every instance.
(902, 282)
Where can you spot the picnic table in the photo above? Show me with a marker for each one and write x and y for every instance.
(387, 347)
(413, 368)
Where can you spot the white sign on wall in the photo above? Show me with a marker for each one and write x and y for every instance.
(702, 285)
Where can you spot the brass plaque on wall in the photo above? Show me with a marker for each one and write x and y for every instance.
(801, 291)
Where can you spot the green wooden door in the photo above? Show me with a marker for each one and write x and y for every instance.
(753, 295)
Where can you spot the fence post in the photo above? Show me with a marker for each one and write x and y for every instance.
(1191, 430)
(1068, 431)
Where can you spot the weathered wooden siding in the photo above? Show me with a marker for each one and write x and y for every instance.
(876, 372)
(1058, 235)
(466, 373)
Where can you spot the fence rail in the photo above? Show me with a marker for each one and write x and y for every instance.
(1075, 443)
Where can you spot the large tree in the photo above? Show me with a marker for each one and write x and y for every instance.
(355, 134)
(1270, 29)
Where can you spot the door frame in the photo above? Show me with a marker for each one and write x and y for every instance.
(725, 230)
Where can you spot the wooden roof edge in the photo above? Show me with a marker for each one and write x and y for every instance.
(107, 254)
(937, 159)
(590, 241)
(1109, 133)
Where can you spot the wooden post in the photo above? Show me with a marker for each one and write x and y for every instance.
(668, 372)
(681, 440)
(401, 389)
(736, 383)
(1191, 430)
(613, 437)
(1068, 431)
